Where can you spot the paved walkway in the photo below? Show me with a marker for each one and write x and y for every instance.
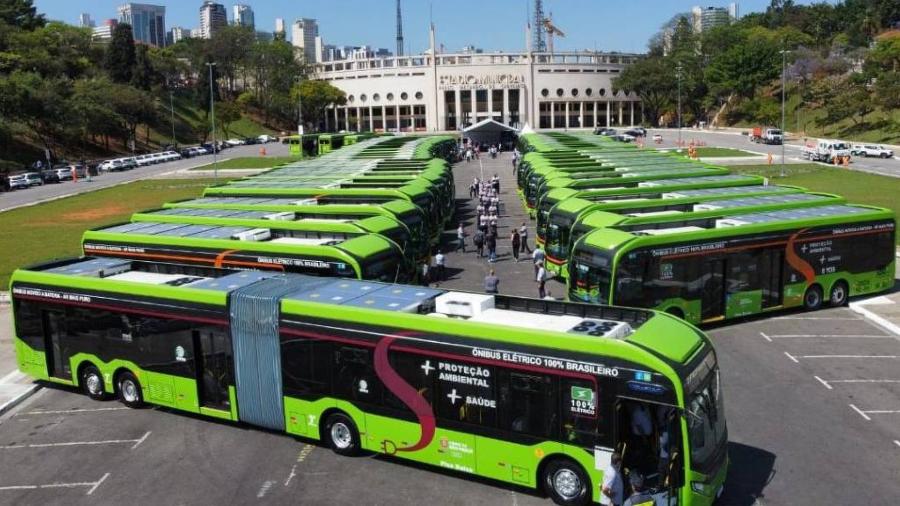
(465, 270)
(14, 386)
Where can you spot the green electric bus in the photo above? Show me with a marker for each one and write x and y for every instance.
(289, 221)
(534, 393)
(553, 197)
(562, 233)
(403, 211)
(738, 265)
(421, 196)
(366, 256)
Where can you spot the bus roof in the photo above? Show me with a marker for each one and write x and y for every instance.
(652, 338)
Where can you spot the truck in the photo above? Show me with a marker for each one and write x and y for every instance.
(763, 135)
(827, 150)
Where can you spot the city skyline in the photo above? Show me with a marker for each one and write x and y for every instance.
(627, 28)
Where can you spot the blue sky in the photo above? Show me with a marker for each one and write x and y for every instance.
(490, 24)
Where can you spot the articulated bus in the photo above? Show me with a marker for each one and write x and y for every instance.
(739, 265)
(418, 195)
(290, 221)
(366, 256)
(560, 239)
(530, 392)
(403, 211)
(553, 197)
(617, 180)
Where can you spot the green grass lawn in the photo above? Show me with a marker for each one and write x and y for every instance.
(857, 187)
(250, 162)
(708, 152)
(53, 230)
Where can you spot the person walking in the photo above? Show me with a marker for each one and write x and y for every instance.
(424, 272)
(514, 239)
(495, 183)
(541, 279)
(612, 490)
(523, 235)
(491, 242)
(478, 240)
(440, 266)
(460, 238)
(492, 283)
(538, 256)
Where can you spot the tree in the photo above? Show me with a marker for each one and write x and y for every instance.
(743, 68)
(226, 114)
(120, 55)
(201, 89)
(93, 111)
(134, 107)
(887, 92)
(655, 82)
(142, 75)
(21, 13)
(230, 48)
(41, 104)
(315, 96)
(275, 69)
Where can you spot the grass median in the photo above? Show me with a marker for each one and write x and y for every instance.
(857, 187)
(53, 229)
(708, 152)
(250, 162)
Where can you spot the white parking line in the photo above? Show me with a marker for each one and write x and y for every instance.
(92, 484)
(824, 383)
(896, 442)
(135, 443)
(815, 318)
(861, 412)
(865, 413)
(846, 356)
(828, 383)
(765, 336)
(829, 336)
(792, 357)
(68, 411)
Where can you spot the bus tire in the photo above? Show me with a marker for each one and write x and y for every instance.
(566, 483)
(342, 434)
(92, 382)
(676, 312)
(812, 299)
(840, 292)
(129, 390)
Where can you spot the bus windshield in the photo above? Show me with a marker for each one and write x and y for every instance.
(557, 238)
(706, 416)
(591, 275)
(384, 267)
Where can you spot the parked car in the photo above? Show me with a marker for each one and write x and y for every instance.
(251, 140)
(129, 163)
(868, 150)
(50, 176)
(637, 132)
(34, 179)
(235, 142)
(624, 137)
(605, 131)
(265, 138)
(65, 172)
(18, 182)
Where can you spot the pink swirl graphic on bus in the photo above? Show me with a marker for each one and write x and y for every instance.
(407, 394)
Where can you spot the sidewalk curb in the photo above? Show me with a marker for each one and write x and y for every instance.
(4, 298)
(19, 399)
(858, 307)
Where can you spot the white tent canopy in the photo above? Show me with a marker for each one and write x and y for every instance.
(489, 131)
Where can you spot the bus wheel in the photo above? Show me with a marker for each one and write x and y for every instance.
(92, 383)
(812, 299)
(129, 389)
(341, 433)
(839, 294)
(566, 483)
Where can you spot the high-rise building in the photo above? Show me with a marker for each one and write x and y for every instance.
(243, 16)
(303, 37)
(85, 21)
(212, 17)
(279, 25)
(196, 33)
(148, 22)
(179, 33)
(705, 18)
(104, 31)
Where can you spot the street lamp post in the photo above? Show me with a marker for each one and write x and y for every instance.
(678, 71)
(172, 111)
(212, 114)
(783, 88)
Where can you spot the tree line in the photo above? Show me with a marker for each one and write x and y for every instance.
(64, 92)
(841, 59)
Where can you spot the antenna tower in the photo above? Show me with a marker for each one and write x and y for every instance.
(538, 44)
(399, 31)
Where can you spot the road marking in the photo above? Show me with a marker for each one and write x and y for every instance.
(814, 318)
(792, 357)
(766, 337)
(862, 381)
(92, 484)
(849, 356)
(848, 336)
(304, 452)
(861, 412)
(69, 411)
(135, 443)
(10, 376)
(824, 383)
(264, 489)
(515, 498)
(896, 442)
(883, 411)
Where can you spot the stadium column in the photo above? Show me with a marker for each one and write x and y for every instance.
(371, 119)
(473, 98)
(337, 121)
(358, 119)
(397, 115)
(566, 122)
(457, 95)
(384, 119)
(552, 114)
(632, 112)
(596, 106)
(505, 118)
(621, 119)
(607, 113)
(580, 114)
(490, 97)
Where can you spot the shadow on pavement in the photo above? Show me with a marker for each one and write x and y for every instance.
(750, 470)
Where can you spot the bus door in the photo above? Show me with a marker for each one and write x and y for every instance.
(771, 277)
(54, 322)
(712, 290)
(212, 353)
(648, 438)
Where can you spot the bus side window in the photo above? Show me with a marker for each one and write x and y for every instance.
(28, 323)
(416, 370)
(355, 376)
(305, 364)
(527, 403)
(466, 393)
(582, 423)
